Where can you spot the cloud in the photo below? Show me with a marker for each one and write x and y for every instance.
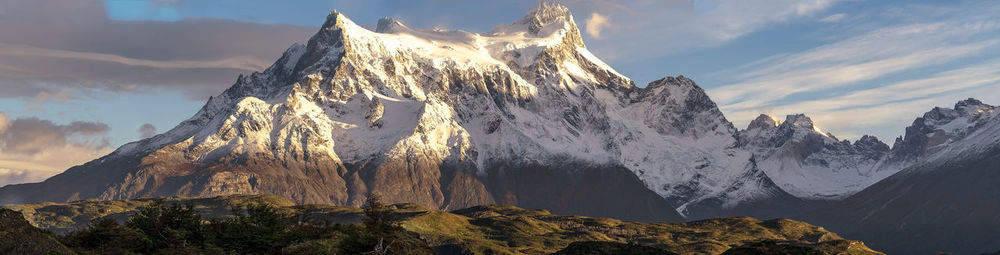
(146, 131)
(33, 149)
(878, 81)
(833, 18)
(246, 63)
(49, 162)
(43, 97)
(596, 23)
(4, 122)
(10, 176)
(72, 45)
(884, 111)
(840, 67)
(658, 28)
(32, 135)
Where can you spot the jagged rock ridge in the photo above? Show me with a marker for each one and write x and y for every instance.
(812, 164)
(446, 119)
(945, 200)
(522, 115)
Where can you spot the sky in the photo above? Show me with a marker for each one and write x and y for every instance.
(78, 78)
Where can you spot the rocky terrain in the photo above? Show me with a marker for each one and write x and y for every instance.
(497, 229)
(521, 115)
(18, 236)
(946, 202)
(525, 115)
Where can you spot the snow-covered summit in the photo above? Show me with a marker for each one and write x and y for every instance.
(544, 17)
(452, 119)
(946, 130)
(763, 121)
(401, 101)
(389, 25)
(809, 163)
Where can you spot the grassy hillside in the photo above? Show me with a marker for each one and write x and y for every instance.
(496, 229)
(17, 236)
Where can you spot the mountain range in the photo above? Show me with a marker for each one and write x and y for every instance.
(526, 115)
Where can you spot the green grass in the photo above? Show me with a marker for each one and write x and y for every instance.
(493, 229)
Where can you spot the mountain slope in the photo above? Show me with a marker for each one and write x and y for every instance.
(946, 202)
(492, 229)
(18, 236)
(446, 119)
(812, 164)
(522, 115)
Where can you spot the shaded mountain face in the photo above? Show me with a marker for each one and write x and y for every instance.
(812, 164)
(522, 115)
(446, 119)
(946, 201)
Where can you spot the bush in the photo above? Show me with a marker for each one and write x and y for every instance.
(172, 226)
(379, 233)
(314, 247)
(254, 228)
(106, 236)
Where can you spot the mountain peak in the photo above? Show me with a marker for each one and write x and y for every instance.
(871, 143)
(335, 19)
(545, 13)
(763, 121)
(967, 107)
(388, 25)
(968, 102)
(971, 106)
(679, 81)
(549, 17)
(799, 120)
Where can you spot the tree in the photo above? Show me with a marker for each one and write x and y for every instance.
(379, 233)
(169, 226)
(254, 228)
(108, 237)
(379, 218)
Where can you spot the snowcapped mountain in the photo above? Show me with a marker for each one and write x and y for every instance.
(521, 115)
(945, 134)
(447, 119)
(945, 200)
(812, 164)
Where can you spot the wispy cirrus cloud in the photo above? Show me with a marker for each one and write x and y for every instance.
(246, 63)
(884, 111)
(833, 18)
(836, 82)
(657, 28)
(650, 38)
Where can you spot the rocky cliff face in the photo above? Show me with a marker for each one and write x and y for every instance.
(810, 163)
(945, 201)
(446, 119)
(521, 115)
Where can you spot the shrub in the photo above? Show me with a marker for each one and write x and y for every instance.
(108, 237)
(173, 226)
(379, 233)
(253, 228)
